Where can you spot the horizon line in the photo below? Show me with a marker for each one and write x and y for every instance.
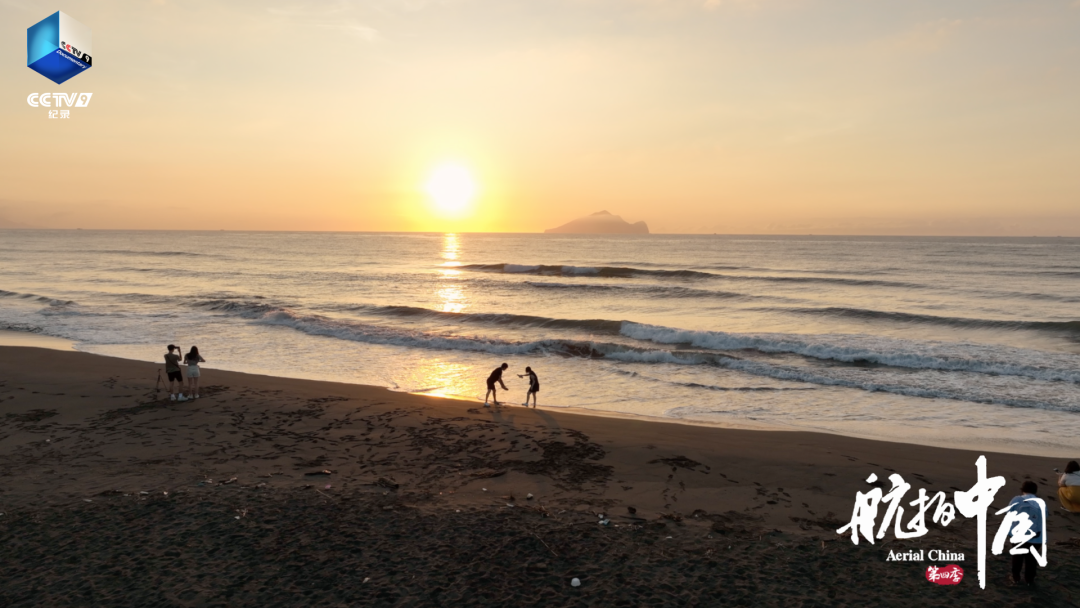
(758, 234)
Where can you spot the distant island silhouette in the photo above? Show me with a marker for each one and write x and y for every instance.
(600, 222)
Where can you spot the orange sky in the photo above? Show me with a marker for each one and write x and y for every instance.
(729, 116)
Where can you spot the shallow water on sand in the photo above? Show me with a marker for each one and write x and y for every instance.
(962, 342)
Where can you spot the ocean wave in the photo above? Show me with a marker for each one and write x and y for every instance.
(964, 322)
(851, 349)
(665, 291)
(900, 384)
(859, 349)
(167, 254)
(598, 271)
(242, 308)
(23, 327)
(603, 326)
(376, 334)
(925, 388)
(35, 298)
(626, 272)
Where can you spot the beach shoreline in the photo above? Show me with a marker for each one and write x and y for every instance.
(28, 339)
(84, 436)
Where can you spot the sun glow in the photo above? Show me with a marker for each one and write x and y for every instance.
(452, 189)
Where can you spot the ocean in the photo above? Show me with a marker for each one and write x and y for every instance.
(958, 342)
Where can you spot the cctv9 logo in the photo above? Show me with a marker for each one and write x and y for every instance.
(59, 100)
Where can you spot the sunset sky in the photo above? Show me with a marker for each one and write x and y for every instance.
(727, 116)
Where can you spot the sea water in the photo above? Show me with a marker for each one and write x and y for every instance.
(964, 342)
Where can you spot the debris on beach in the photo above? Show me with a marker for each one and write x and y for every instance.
(228, 481)
(383, 482)
(575, 582)
(322, 472)
(529, 496)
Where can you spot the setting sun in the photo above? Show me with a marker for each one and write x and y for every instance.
(451, 188)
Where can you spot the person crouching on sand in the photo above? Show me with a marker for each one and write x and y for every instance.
(534, 386)
(192, 360)
(172, 370)
(1069, 487)
(496, 376)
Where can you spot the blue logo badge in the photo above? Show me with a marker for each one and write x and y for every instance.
(58, 47)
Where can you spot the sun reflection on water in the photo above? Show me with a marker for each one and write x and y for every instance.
(441, 378)
(451, 295)
(451, 246)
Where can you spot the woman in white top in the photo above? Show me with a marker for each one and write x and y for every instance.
(1069, 487)
(192, 360)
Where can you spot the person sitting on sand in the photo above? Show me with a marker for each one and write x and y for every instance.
(496, 376)
(172, 370)
(192, 360)
(534, 386)
(1025, 503)
(1069, 487)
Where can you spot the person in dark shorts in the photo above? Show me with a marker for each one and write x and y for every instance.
(496, 376)
(172, 370)
(534, 386)
(1026, 503)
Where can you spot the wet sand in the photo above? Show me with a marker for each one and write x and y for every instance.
(269, 491)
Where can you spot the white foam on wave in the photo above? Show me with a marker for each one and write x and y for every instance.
(851, 348)
(376, 334)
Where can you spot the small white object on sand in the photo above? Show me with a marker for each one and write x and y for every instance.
(575, 582)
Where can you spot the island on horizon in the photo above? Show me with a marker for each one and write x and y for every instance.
(601, 222)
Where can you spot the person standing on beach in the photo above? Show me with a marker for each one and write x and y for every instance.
(192, 360)
(1026, 503)
(172, 370)
(496, 376)
(534, 386)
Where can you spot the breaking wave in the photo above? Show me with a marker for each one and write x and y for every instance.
(873, 350)
(963, 322)
(626, 272)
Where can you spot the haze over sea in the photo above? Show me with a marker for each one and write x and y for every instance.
(964, 342)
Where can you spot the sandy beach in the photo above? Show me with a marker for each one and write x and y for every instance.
(279, 492)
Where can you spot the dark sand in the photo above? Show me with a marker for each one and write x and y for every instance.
(113, 495)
